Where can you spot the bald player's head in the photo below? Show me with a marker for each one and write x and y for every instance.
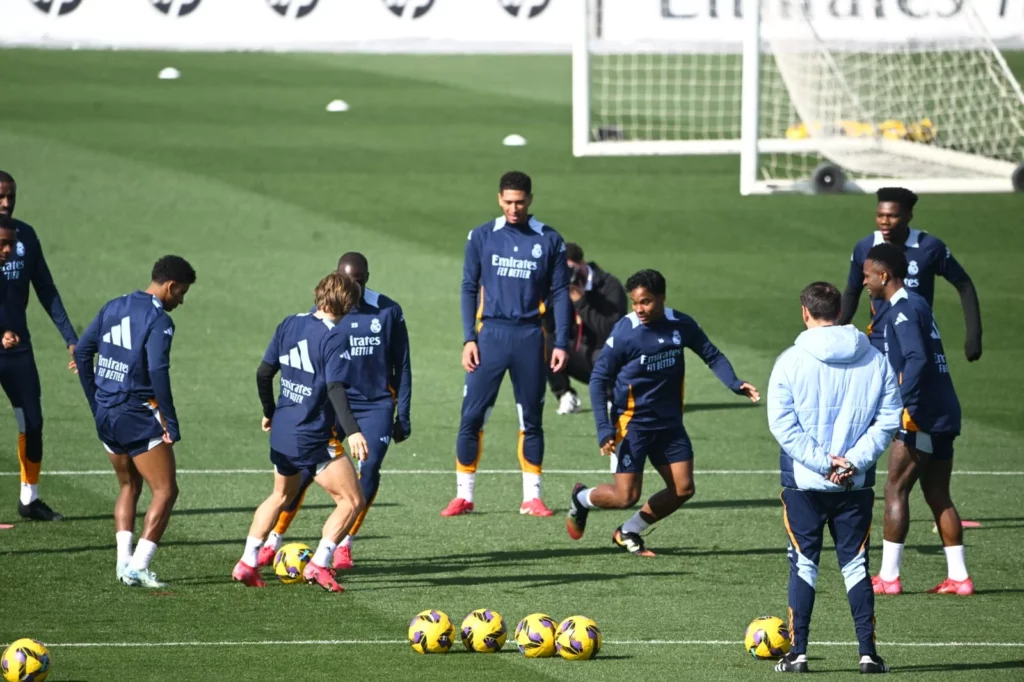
(355, 266)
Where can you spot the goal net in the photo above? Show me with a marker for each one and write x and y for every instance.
(809, 100)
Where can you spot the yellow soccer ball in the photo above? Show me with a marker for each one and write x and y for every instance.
(893, 130)
(290, 561)
(923, 131)
(26, 660)
(851, 128)
(535, 636)
(578, 639)
(431, 632)
(767, 637)
(484, 631)
(797, 131)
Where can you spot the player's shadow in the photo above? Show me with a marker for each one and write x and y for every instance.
(209, 511)
(949, 667)
(1000, 522)
(525, 580)
(925, 549)
(464, 562)
(772, 502)
(456, 567)
(1008, 590)
(717, 551)
(230, 542)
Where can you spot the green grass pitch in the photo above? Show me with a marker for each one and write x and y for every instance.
(237, 167)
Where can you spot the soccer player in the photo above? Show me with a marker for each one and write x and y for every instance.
(514, 268)
(129, 394)
(379, 379)
(923, 448)
(833, 405)
(18, 373)
(8, 239)
(308, 352)
(927, 257)
(643, 359)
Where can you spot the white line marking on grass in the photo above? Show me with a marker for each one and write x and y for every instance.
(392, 642)
(449, 472)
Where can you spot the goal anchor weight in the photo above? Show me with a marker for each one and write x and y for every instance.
(828, 179)
(1018, 178)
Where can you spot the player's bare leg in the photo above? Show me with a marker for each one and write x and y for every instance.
(266, 516)
(158, 469)
(678, 477)
(622, 494)
(130, 488)
(679, 487)
(935, 479)
(905, 466)
(284, 521)
(341, 483)
(247, 569)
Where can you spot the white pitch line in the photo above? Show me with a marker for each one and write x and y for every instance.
(392, 642)
(449, 472)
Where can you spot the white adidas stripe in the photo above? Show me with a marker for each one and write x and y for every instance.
(120, 334)
(298, 358)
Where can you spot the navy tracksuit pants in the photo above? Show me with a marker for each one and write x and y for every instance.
(518, 349)
(19, 379)
(847, 515)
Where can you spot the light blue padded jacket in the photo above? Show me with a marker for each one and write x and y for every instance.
(832, 393)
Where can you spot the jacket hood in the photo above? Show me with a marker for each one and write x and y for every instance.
(834, 345)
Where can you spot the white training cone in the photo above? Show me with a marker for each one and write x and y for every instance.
(169, 74)
(514, 141)
(337, 105)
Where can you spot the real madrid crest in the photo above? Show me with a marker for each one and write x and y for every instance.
(375, 326)
(19, 249)
(537, 251)
(677, 338)
(912, 268)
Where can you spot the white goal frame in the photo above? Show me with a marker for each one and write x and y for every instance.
(998, 175)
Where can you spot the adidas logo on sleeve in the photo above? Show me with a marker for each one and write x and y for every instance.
(298, 358)
(120, 335)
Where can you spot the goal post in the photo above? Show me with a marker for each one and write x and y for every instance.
(808, 101)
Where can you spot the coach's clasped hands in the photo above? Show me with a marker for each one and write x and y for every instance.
(842, 472)
(10, 340)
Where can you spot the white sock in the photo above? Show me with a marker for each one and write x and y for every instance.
(29, 493)
(635, 525)
(274, 541)
(583, 497)
(955, 566)
(324, 553)
(124, 546)
(464, 485)
(531, 486)
(892, 556)
(144, 552)
(346, 542)
(250, 557)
